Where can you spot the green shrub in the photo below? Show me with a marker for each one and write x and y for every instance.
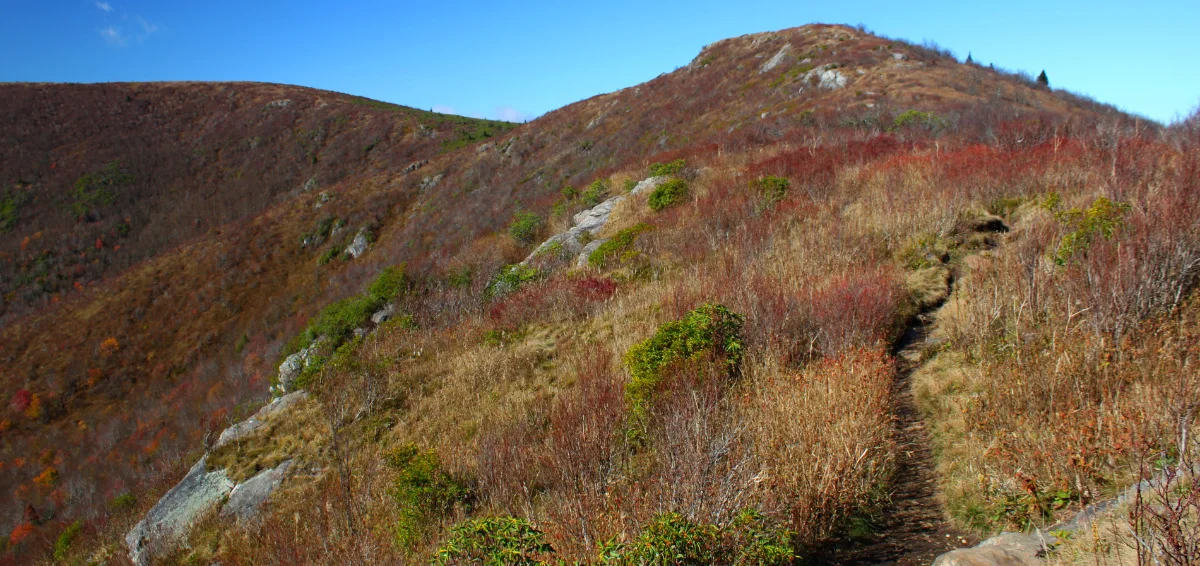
(1103, 219)
(753, 539)
(511, 278)
(94, 189)
(630, 185)
(595, 193)
(525, 227)
(672, 168)
(569, 193)
(422, 490)
(669, 540)
(667, 194)
(328, 256)
(772, 189)
(459, 278)
(709, 330)
(618, 249)
(10, 205)
(62, 546)
(919, 119)
(495, 541)
(388, 285)
(123, 502)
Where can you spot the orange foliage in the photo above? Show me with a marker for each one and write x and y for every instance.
(35, 410)
(47, 478)
(20, 533)
(109, 346)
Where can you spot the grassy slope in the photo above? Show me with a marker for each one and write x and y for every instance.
(858, 200)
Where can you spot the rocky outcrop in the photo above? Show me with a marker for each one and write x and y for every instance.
(825, 77)
(247, 498)
(200, 491)
(359, 245)
(777, 59)
(590, 221)
(384, 314)
(204, 490)
(291, 367)
(1006, 549)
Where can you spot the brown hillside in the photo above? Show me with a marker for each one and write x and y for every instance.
(178, 333)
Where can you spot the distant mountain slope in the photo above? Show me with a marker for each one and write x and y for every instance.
(226, 256)
(96, 178)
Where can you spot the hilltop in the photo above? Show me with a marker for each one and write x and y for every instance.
(813, 196)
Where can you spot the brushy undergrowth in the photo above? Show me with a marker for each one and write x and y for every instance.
(423, 492)
(710, 330)
(618, 249)
(670, 193)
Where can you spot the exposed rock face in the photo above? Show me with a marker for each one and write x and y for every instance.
(777, 59)
(199, 492)
(359, 245)
(247, 498)
(249, 425)
(291, 367)
(384, 314)
(825, 77)
(1007, 549)
(590, 221)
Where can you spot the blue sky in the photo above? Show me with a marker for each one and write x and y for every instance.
(517, 61)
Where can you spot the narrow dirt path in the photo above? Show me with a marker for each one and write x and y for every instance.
(913, 529)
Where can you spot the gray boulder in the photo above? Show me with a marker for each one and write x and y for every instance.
(1006, 549)
(582, 260)
(777, 59)
(590, 221)
(384, 314)
(198, 493)
(359, 245)
(247, 498)
(251, 424)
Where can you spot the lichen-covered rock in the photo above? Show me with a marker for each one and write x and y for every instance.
(247, 498)
(589, 221)
(359, 245)
(199, 492)
(582, 260)
(777, 59)
(1006, 549)
(384, 314)
(247, 426)
(826, 77)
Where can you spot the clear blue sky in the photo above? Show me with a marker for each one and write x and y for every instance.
(516, 61)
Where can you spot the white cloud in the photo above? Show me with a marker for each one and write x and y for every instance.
(443, 109)
(104, 6)
(113, 36)
(510, 114)
(147, 27)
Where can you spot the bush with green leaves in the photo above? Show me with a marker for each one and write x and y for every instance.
(668, 540)
(1103, 218)
(510, 279)
(752, 538)
(390, 282)
(710, 330)
(423, 492)
(618, 249)
(336, 322)
(667, 194)
(525, 227)
(670, 168)
(10, 205)
(630, 185)
(772, 189)
(495, 541)
(672, 539)
(595, 193)
(95, 189)
(62, 545)
(918, 119)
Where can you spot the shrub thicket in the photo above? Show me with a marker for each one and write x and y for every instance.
(422, 490)
(667, 194)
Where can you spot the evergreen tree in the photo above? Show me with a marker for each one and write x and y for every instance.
(970, 61)
(1043, 79)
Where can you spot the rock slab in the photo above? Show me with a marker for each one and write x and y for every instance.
(199, 492)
